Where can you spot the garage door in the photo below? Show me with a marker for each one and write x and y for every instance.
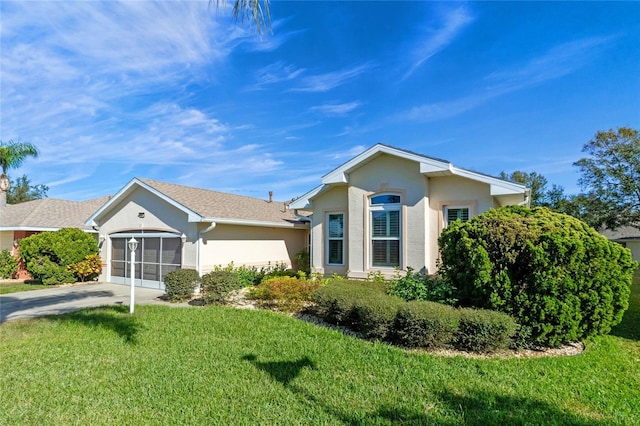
(157, 254)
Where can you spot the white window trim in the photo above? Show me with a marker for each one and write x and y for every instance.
(385, 207)
(445, 212)
(329, 238)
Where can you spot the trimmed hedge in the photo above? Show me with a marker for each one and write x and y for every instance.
(553, 273)
(217, 285)
(421, 324)
(366, 308)
(180, 284)
(480, 330)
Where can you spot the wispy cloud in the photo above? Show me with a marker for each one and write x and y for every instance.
(336, 108)
(435, 38)
(557, 62)
(277, 73)
(327, 81)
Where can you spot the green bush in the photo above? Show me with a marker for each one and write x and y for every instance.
(48, 254)
(336, 301)
(180, 284)
(87, 269)
(49, 272)
(285, 293)
(481, 330)
(303, 261)
(418, 286)
(551, 272)
(8, 264)
(429, 325)
(376, 315)
(217, 285)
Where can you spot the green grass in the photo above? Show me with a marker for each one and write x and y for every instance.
(14, 286)
(216, 365)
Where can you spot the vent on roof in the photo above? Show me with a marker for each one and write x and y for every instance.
(270, 196)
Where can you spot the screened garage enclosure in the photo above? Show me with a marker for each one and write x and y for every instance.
(157, 254)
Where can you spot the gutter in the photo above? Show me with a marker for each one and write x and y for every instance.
(200, 243)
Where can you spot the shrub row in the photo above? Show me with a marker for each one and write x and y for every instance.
(366, 308)
(180, 284)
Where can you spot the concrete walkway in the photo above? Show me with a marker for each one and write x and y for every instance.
(35, 303)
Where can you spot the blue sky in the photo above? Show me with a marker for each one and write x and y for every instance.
(178, 92)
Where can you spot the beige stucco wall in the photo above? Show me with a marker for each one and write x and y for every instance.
(634, 246)
(251, 246)
(242, 245)
(333, 200)
(454, 191)
(387, 174)
(6, 240)
(159, 216)
(423, 198)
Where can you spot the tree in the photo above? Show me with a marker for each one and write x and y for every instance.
(537, 183)
(611, 178)
(256, 10)
(12, 155)
(21, 191)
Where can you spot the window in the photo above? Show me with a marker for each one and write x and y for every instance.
(335, 238)
(451, 214)
(385, 230)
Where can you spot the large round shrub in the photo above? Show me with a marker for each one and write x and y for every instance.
(48, 254)
(548, 270)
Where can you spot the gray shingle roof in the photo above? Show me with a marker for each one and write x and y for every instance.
(622, 233)
(49, 213)
(221, 205)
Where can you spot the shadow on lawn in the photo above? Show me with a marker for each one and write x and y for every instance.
(479, 407)
(449, 409)
(112, 317)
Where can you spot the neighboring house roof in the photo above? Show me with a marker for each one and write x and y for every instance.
(623, 233)
(48, 214)
(203, 205)
(428, 166)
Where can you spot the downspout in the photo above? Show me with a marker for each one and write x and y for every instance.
(200, 248)
(526, 199)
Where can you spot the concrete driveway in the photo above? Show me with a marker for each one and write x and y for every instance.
(30, 304)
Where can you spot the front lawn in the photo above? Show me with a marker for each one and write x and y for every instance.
(221, 365)
(14, 286)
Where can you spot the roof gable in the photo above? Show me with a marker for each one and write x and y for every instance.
(203, 205)
(428, 167)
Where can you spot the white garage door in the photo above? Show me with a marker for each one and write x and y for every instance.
(157, 254)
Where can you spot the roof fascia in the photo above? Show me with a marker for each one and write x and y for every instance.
(127, 190)
(247, 222)
(40, 229)
(427, 165)
(497, 186)
(304, 201)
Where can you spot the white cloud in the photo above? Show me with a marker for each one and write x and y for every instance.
(557, 62)
(336, 108)
(327, 81)
(433, 40)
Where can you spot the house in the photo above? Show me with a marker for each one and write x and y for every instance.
(18, 221)
(628, 236)
(184, 227)
(384, 210)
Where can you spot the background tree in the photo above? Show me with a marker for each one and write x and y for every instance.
(12, 155)
(611, 178)
(536, 182)
(21, 190)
